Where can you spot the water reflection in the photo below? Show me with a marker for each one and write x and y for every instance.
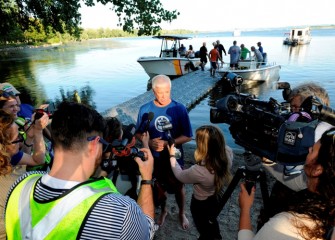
(297, 53)
(253, 88)
(84, 95)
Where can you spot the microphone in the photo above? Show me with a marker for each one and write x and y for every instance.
(150, 117)
(128, 134)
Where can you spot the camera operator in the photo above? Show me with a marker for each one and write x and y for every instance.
(117, 161)
(13, 160)
(285, 186)
(75, 206)
(309, 213)
(114, 131)
(296, 98)
(153, 117)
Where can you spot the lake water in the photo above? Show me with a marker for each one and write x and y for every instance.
(110, 67)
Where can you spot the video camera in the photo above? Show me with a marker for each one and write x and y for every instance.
(123, 153)
(255, 124)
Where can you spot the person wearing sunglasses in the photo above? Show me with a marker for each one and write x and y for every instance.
(23, 100)
(74, 205)
(9, 103)
(11, 157)
(310, 213)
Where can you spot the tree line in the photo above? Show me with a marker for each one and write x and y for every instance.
(36, 21)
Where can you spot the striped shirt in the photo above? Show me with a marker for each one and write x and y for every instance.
(113, 216)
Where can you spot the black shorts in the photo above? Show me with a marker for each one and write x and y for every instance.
(214, 65)
(164, 175)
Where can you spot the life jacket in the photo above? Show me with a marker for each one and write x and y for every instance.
(60, 218)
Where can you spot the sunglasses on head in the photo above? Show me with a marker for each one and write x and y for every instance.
(101, 140)
(6, 94)
(330, 133)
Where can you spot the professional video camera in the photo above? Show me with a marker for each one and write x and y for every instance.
(123, 153)
(255, 124)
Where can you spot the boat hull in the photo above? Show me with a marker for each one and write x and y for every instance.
(171, 67)
(262, 74)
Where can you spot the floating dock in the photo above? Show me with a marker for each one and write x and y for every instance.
(188, 89)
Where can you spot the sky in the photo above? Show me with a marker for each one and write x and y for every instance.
(221, 15)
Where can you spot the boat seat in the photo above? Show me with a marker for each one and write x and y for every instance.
(167, 53)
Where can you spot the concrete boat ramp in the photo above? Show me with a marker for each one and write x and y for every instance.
(188, 90)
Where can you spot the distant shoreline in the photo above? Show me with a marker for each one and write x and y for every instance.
(21, 46)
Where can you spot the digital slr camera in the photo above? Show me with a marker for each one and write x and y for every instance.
(255, 124)
(123, 153)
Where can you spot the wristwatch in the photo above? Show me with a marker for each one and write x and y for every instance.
(150, 182)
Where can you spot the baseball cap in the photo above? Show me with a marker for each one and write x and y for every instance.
(7, 87)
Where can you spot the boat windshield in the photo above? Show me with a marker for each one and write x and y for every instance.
(169, 44)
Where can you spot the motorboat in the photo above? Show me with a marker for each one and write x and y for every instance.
(297, 36)
(250, 73)
(170, 61)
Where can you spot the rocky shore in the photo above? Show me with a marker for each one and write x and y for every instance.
(229, 217)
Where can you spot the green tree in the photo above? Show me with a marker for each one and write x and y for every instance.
(62, 16)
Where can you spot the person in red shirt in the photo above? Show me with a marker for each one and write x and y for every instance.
(214, 55)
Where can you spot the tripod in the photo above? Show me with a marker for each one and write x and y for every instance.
(251, 177)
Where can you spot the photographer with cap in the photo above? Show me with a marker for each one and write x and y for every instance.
(67, 203)
(23, 118)
(13, 160)
(26, 110)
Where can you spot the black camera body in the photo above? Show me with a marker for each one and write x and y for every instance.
(49, 111)
(255, 124)
(123, 151)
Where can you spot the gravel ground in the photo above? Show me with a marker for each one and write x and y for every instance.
(229, 217)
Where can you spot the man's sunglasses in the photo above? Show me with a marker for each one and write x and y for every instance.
(102, 141)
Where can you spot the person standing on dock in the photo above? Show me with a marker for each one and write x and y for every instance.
(221, 48)
(203, 56)
(168, 123)
(214, 55)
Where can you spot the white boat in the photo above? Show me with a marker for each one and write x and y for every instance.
(237, 33)
(250, 73)
(170, 61)
(297, 36)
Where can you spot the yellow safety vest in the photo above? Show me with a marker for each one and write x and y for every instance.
(58, 219)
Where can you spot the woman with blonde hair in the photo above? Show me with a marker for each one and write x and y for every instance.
(210, 173)
(11, 154)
